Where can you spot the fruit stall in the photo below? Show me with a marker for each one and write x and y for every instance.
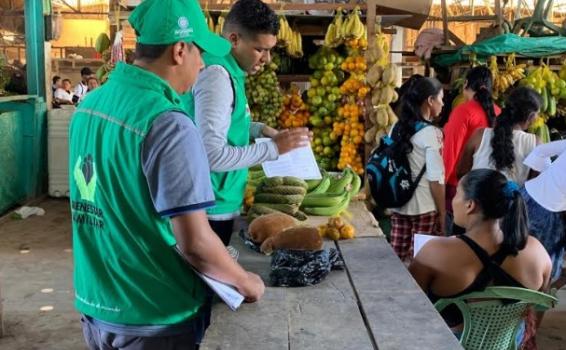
(538, 63)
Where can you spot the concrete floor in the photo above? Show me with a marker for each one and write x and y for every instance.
(36, 273)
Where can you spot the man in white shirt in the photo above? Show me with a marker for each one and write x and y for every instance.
(63, 94)
(82, 87)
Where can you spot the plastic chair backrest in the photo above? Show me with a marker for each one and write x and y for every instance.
(492, 317)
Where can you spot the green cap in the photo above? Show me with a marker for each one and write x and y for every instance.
(162, 22)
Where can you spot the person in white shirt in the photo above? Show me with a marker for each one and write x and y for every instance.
(421, 104)
(505, 147)
(82, 87)
(545, 198)
(63, 94)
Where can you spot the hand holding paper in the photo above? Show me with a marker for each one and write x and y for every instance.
(299, 163)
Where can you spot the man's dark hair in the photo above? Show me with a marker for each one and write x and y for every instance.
(251, 17)
(150, 52)
(69, 80)
(56, 78)
(86, 71)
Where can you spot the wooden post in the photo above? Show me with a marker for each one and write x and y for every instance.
(445, 21)
(498, 14)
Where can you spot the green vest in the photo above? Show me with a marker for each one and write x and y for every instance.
(229, 186)
(126, 270)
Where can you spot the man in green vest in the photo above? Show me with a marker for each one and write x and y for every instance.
(140, 185)
(219, 105)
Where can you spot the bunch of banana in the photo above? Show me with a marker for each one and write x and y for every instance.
(285, 34)
(383, 80)
(502, 81)
(334, 37)
(378, 55)
(332, 195)
(209, 20)
(219, 25)
(279, 194)
(353, 27)
(549, 85)
(295, 47)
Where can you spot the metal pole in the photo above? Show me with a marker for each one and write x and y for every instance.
(35, 47)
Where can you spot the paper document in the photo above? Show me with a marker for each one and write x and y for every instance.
(299, 163)
(419, 241)
(227, 293)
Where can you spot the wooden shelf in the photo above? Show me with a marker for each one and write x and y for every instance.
(289, 78)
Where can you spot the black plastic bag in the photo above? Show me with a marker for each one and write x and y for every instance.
(298, 268)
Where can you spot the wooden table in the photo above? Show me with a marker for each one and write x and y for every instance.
(374, 303)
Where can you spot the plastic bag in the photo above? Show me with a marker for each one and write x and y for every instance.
(298, 268)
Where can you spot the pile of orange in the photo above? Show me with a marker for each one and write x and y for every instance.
(354, 64)
(295, 112)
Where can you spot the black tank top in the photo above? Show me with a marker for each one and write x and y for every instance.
(491, 275)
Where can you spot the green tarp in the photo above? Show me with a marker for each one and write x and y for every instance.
(505, 44)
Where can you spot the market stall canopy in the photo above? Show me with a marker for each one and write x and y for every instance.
(505, 44)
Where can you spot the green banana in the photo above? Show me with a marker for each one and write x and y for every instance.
(312, 184)
(322, 199)
(340, 184)
(322, 186)
(356, 184)
(551, 106)
(329, 211)
(544, 96)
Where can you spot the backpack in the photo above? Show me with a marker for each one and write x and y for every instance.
(389, 173)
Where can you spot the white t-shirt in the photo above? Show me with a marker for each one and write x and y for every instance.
(63, 95)
(549, 188)
(80, 90)
(523, 144)
(427, 149)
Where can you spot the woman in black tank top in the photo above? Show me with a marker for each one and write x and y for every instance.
(495, 249)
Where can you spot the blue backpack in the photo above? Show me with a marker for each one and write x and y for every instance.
(389, 173)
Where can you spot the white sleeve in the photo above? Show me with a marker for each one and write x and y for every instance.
(539, 158)
(433, 154)
(78, 91)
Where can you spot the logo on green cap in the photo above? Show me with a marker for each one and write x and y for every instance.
(184, 30)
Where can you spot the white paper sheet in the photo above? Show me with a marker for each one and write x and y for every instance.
(298, 163)
(227, 293)
(419, 241)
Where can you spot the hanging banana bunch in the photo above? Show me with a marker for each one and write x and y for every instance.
(334, 37)
(285, 35)
(502, 81)
(353, 27)
(295, 47)
(219, 25)
(383, 77)
(209, 20)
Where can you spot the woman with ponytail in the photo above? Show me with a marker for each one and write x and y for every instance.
(505, 147)
(423, 143)
(495, 250)
(479, 111)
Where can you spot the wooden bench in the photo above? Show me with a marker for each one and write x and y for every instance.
(374, 303)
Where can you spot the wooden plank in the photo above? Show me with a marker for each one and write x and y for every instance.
(398, 313)
(325, 316)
